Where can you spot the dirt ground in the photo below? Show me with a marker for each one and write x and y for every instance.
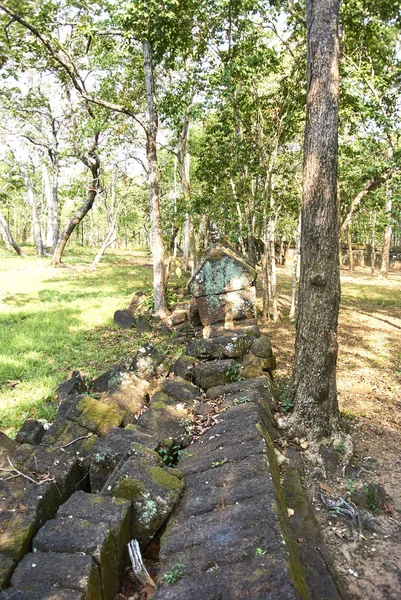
(368, 559)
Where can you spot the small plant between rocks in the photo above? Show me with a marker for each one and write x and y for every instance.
(175, 574)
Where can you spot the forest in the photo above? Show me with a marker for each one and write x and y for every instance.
(138, 134)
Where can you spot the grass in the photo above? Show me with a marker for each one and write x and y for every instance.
(55, 320)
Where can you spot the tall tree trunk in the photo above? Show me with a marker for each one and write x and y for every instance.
(37, 230)
(51, 191)
(80, 214)
(273, 267)
(373, 242)
(316, 347)
(388, 232)
(7, 236)
(156, 238)
(350, 253)
(295, 265)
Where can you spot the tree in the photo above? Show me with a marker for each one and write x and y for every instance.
(314, 373)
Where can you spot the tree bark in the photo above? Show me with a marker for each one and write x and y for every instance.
(156, 237)
(388, 232)
(350, 253)
(8, 238)
(80, 214)
(295, 265)
(373, 243)
(37, 230)
(316, 347)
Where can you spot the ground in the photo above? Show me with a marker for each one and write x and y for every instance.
(54, 320)
(369, 385)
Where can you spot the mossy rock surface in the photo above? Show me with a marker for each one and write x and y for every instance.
(152, 489)
(95, 416)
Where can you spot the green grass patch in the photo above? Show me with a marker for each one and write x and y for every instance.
(55, 320)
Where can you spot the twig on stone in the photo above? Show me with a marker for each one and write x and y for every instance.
(82, 437)
(18, 472)
(138, 567)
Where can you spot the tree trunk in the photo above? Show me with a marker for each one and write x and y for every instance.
(373, 243)
(273, 268)
(156, 238)
(80, 214)
(350, 253)
(388, 232)
(295, 265)
(37, 231)
(8, 238)
(52, 205)
(316, 347)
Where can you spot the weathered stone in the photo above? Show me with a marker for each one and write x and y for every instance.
(183, 367)
(331, 459)
(263, 383)
(70, 436)
(178, 316)
(17, 530)
(7, 448)
(221, 271)
(231, 507)
(116, 512)
(179, 389)
(124, 318)
(163, 420)
(146, 361)
(194, 316)
(108, 382)
(31, 432)
(213, 374)
(41, 592)
(239, 305)
(262, 347)
(72, 386)
(143, 326)
(107, 453)
(152, 488)
(95, 416)
(165, 330)
(7, 566)
(244, 327)
(76, 536)
(322, 580)
(131, 396)
(254, 369)
(67, 571)
(225, 346)
(49, 462)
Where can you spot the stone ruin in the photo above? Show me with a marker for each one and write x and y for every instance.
(223, 287)
(149, 444)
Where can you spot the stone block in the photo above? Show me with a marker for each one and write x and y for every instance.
(75, 536)
(221, 271)
(41, 592)
(180, 390)
(262, 383)
(213, 374)
(178, 316)
(143, 326)
(130, 396)
(17, 531)
(7, 448)
(95, 416)
(183, 367)
(73, 386)
(108, 381)
(262, 347)
(152, 489)
(107, 453)
(116, 512)
(42, 462)
(164, 420)
(245, 326)
(30, 433)
(237, 305)
(225, 346)
(75, 572)
(124, 318)
(7, 566)
(69, 435)
(146, 361)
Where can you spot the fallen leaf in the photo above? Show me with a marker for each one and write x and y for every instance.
(300, 540)
(290, 511)
(389, 508)
(11, 383)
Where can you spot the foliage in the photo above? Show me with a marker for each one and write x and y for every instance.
(175, 574)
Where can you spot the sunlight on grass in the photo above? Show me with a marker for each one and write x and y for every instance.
(53, 320)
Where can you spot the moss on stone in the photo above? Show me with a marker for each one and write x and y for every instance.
(165, 479)
(96, 416)
(128, 488)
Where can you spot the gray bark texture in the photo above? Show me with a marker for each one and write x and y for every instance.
(156, 237)
(7, 236)
(316, 347)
